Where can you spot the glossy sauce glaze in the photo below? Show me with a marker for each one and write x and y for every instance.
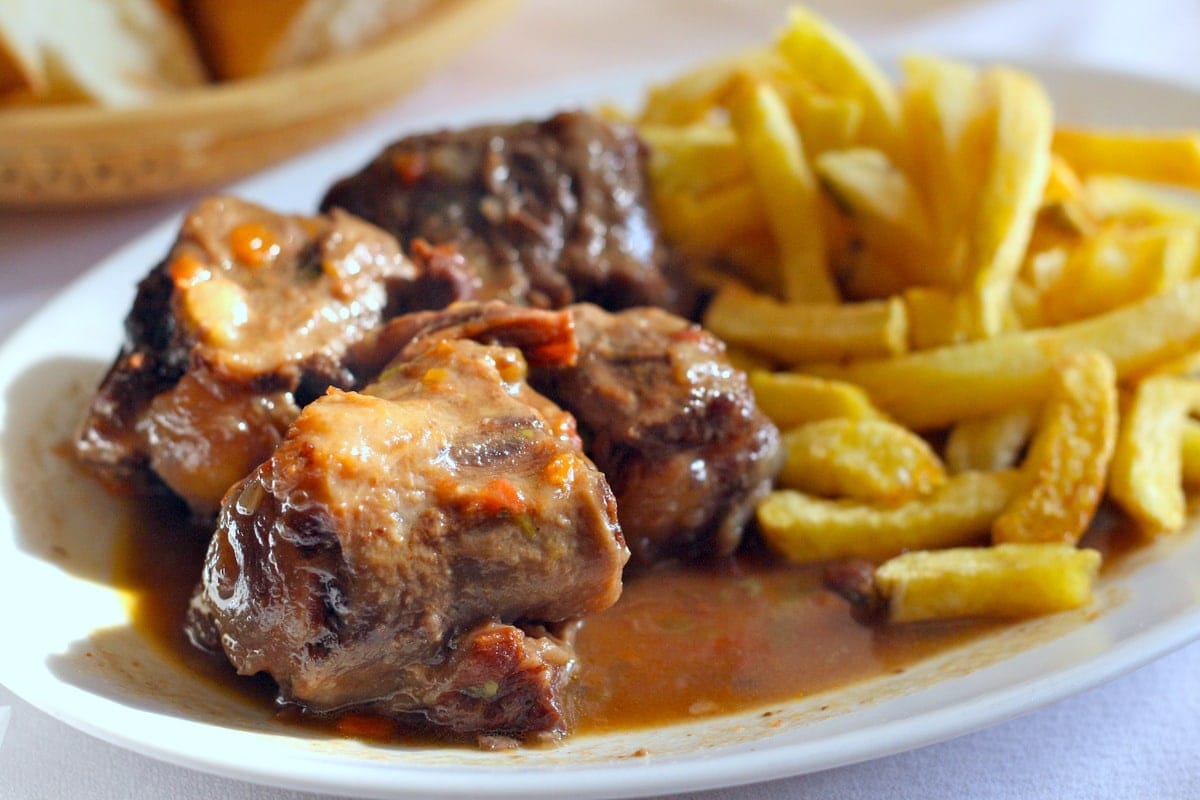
(681, 643)
(686, 643)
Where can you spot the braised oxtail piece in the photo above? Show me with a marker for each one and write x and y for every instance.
(421, 549)
(674, 427)
(545, 213)
(250, 315)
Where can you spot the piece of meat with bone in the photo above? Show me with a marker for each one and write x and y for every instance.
(251, 314)
(420, 549)
(672, 425)
(546, 213)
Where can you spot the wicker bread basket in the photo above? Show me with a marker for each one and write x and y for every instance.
(59, 156)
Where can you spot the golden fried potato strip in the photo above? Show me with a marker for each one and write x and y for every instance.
(1146, 476)
(873, 460)
(1190, 453)
(937, 317)
(882, 204)
(793, 333)
(710, 224)
(787, 189)
(1067, 465)
(1005, 277)
(1172, 158)
(991, 442)
(792, 398)
(979, 148)
(695, 158)
(1010, 194)
(1115, 266)
(804, 528)
(825, 122)
(948, 141)
(1005, 580)
(1134, 202)
(934, 388)
(837, 66)
(695, 95)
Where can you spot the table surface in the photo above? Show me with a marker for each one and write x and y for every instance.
(1137, 736)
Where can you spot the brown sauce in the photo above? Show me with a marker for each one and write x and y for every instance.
(684, 643)
(681, 643)
(158, 561)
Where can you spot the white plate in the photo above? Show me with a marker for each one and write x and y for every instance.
(71, 651)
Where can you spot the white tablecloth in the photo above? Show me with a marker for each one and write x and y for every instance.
(1137, 737)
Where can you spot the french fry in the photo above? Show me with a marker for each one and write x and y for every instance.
(982, 142)
(1187, 365)
(1065, 218)
(991, 442)
(1061, 223)
(791, 398)
(1116, 266)
(1013, 181)
(1146, 476)
(1045, 269)
(1135, 202)
(1025, 306)
(865, 459)
(1062, 182)
(1190, 453)
(804, 528)
(793, 333)
(941, 259)
(936, 317)
(866, 275)
(1003, 581)
(882, 202)
(946, 151)
(836, 65)
(865, 182)
(934, 388)
(825, 122)
(752, 257)
(787, 189)
(1067, 465)
(695, 158)
(694, 95)
(1172, 158)
(710, 223)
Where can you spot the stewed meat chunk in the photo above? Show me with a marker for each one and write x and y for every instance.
(420, 549)
(250, 314)
(672, 425)
(546, 213)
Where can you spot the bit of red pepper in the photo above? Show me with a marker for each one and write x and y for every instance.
(561, 470)
(566, 428)
(409, 167)
(186, 270)
(499, 495)
(691, 334)
(253, 244)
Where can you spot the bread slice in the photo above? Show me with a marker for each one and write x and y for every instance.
(20, 61)
(113, 52)
(249, 37)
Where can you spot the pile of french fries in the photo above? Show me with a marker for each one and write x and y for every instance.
(932, 260)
